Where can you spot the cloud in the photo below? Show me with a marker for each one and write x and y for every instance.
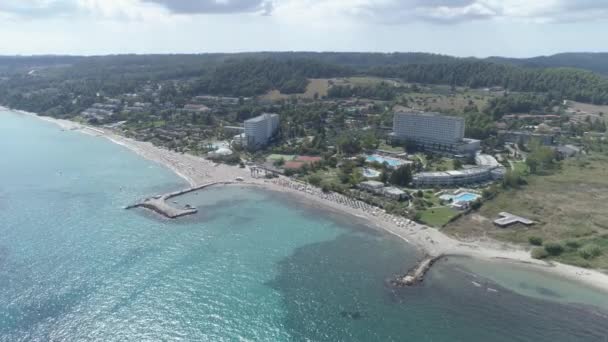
(215, 6)
(37, 8)
(321, 12)
(80, 9)
(445, 11)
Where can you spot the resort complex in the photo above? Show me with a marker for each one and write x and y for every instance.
(434, 133)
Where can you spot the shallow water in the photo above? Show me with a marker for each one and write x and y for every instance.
(252, 265)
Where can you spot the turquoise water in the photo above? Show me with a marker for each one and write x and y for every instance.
(466, 197)
(251, 266)
(380, 159)
(370, 173)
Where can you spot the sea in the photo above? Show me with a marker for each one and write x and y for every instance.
(252, 265)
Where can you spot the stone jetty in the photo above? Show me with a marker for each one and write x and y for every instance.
(159, 204)
(416, 274)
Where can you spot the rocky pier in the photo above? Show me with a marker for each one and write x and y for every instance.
(416, 274)
(159, 205)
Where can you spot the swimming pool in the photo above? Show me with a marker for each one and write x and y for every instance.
(392, 162)
(465, 197)
(370, 173)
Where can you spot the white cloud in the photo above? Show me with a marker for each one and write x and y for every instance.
(324, 12)
(215, 6)
(443, 11)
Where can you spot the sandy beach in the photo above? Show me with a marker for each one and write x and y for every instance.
(197, 171)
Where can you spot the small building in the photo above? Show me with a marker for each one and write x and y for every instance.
(372, 186)
(524, 138)
(506, 219)
(233, 129)
(567, 151)
(222, 151)
(196, 108)
(486, 160)
(395, 193)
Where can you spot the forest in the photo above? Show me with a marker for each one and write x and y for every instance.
(65, 85)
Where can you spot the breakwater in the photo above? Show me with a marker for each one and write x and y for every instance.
(159, 204)
(416, 275)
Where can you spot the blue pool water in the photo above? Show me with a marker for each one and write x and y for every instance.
(370, 173)
(380, 159)
(466, 197)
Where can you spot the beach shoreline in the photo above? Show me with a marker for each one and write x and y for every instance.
(196, 171)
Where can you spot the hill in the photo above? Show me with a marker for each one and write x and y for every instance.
(596, 62)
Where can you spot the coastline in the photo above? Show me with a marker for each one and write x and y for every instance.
(196, 171)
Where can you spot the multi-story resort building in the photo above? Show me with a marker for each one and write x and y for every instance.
(434, 133)
(524, 138)
(452, 178)
(259, 130)
(487, 169)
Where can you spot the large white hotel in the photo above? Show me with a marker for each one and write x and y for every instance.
(260, 129)
(434, 132)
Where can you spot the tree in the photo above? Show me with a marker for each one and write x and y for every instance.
(369, 141)
(279, 162)
(315, 180)
(402, 176)
(349, 144)
(513, 179)
(457, 164)
(541, 159)
(384, 176)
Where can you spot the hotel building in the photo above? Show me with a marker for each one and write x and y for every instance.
(434, 133)
(259, 130)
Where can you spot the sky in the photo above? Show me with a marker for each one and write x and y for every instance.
(513, 28)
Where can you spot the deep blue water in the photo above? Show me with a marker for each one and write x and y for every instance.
(251, 266)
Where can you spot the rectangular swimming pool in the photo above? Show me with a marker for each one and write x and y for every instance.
(466, 197)
(380, 159)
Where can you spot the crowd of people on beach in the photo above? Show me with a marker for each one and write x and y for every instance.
(345, 201)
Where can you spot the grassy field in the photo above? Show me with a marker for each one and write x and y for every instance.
(520, 167)
(443, 164)
(437, 217)
(569, 207)
(318, 86)
(386, 147)
(588, 108)
(442, 103)
(365, 81)
(285, 157)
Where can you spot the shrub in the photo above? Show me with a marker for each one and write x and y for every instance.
(535, 240)
(554, 248)
(476, 204)
(590, 252)
(573, 244)
(539, 253)
(279, 162)
(315, 180)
